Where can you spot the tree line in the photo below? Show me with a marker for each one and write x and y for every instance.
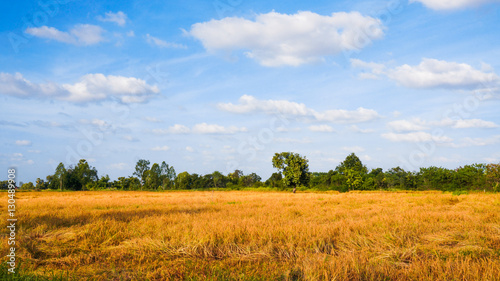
(292, 174)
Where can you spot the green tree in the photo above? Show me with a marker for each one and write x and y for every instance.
(235, 176)
(168, 175)
(59, 175)
(353, 170)
(40, 184)
(28, 186)
(275, 181)
(183, 181)
(140, 170)
(493, 176)
(353, 163)
(103, 182)
(85, 173)
(293, 167)
(218, 178)
(153, 178)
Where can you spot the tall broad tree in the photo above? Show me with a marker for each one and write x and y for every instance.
(153, 178)
(167, 175)
(141, 168)
(295, 169)
(352, 162)
(85, 173)
(60, 174)
(353, 170)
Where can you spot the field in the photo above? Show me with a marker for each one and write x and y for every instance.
(250, 235)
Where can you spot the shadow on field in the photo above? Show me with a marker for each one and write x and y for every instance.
(54, 221)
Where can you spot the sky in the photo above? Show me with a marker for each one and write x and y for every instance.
(223, 85)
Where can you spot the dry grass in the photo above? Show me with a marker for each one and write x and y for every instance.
(260, 235)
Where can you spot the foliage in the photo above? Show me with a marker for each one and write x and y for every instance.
(293, 172)
(141, 167)
(293, 167)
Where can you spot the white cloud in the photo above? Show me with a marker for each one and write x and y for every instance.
(474, 123)
(189, 149)
(23, 142)
(228, 149)
(249, 104)
(175, 129)
(321, 128)
(120, 18)
(407, 125)
(162, 44)
(118, 166)
(90, 87)
(130, 138)
(415, 137)
(433, 73)
(359, 130)
(275, 39)
(30, 162)
(99, 123)
(152, 119)
(376, 69)
(366, 157)
(453, 4)
(465, 142)
(204, 128)
(131, 33)
(347, 116)
(355, 149)
(81, 34)
(445, 159)
(160, 148)
(291, 140)
(464, 123)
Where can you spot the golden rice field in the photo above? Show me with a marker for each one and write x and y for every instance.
(250, 235)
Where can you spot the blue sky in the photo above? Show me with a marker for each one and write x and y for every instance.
(223, 85)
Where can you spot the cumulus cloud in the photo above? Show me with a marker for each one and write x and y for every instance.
(160, 148)
(118, 166)
(175, 129)
(474, 123)
(359, 130)
(205, 128)
(90, 88)
(249, 104)
(407, 125)
(120, 18)
(291, 140)
(417, 124)
(152, 119)
(433, 73)
(321, 128)
(465, 123)
(465, 142)
(81, 34)
(23, 142)
(275, 39)
(415, 137)
(453, 4)
(202, 128)
(376, 69)
(355, 149)
(161, 43)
